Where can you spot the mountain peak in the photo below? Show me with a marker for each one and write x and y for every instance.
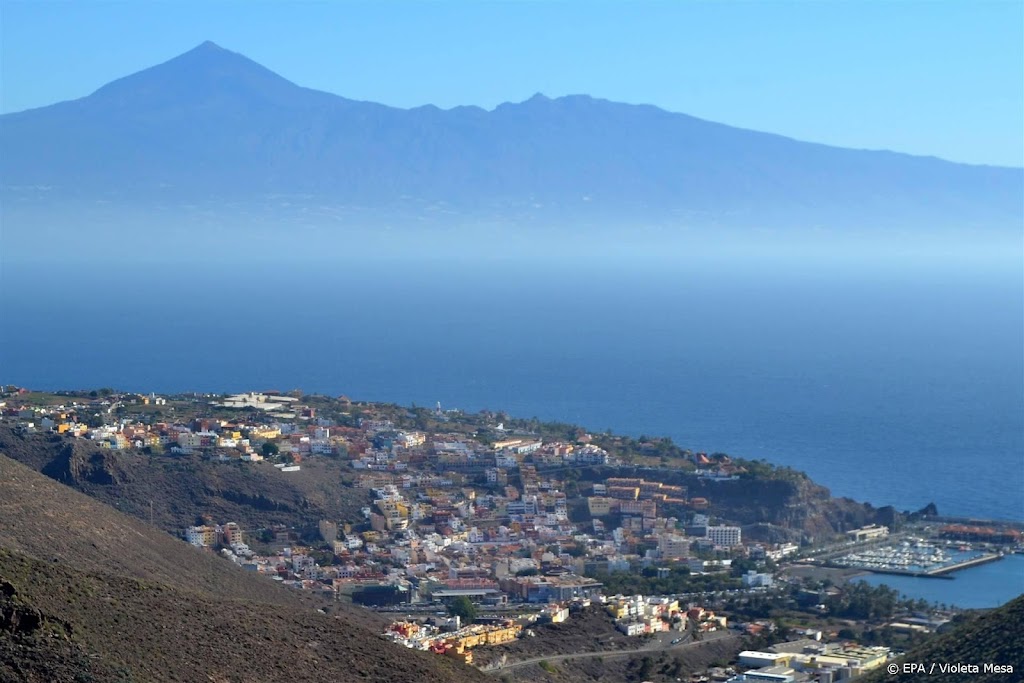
(211, 50)
(204, 73)
(542, 100)
(207, 45)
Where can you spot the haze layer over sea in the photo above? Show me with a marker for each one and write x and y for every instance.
(888, 376)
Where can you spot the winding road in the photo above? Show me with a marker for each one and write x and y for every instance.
(658, 646)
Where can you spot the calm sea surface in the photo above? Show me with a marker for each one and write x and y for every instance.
(897, 388)
(986, 585)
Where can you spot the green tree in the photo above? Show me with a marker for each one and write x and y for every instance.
(575, 550)
(269, 448)
(741, 566)
(463, 608)
(645, 668)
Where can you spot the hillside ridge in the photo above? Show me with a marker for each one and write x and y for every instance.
(86, 591)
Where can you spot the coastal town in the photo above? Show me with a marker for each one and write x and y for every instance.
(479, 531)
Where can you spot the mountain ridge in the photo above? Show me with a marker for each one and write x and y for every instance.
(214, 125)
(211, 48)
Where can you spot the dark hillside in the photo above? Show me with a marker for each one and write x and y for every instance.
(43, 519)
(89, 594)
(175, 489)
(995, 638)
(58, 624)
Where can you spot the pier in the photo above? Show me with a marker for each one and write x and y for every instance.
(944, 570)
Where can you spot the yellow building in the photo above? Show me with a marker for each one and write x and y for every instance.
(232, 533)
(624, 492)
(618, 610)
(395, 513)
(477, 636)
(599, 506)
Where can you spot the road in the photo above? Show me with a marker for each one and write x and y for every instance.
(663, 642)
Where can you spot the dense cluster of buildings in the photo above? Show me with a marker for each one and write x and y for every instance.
(637, 615)
(103, 421)
(448, 514)
(290, 562)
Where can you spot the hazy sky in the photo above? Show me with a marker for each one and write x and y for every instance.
(937, 78)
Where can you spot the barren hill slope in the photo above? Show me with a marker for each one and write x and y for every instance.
(995, 638)
(47, 520)
(173, 490)
(89, 594)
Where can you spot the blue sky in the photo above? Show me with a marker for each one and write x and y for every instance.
(936, 78)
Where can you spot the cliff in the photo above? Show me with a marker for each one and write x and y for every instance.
(173, 490)
(775, 506)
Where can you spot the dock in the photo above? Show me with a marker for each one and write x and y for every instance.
(942, 571)
(927, 574)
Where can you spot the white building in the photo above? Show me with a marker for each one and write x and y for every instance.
(636, 628)
(868, 533)
(673, 546)
(756, 659)
(782, 551)
(752, 579)
(724, 536)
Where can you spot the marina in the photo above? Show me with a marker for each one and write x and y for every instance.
(980, 586)
(916, 557)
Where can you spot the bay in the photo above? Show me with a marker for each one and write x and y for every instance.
(983, 586)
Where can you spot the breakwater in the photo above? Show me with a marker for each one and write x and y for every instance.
(945, 570)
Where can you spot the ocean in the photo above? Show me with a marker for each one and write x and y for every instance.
(892, 385)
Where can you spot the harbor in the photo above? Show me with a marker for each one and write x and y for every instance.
(916, 557)
(978, 586)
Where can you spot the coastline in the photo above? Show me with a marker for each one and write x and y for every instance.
(754, 495)
(590, 423)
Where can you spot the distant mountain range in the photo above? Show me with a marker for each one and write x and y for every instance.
(213, 126)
